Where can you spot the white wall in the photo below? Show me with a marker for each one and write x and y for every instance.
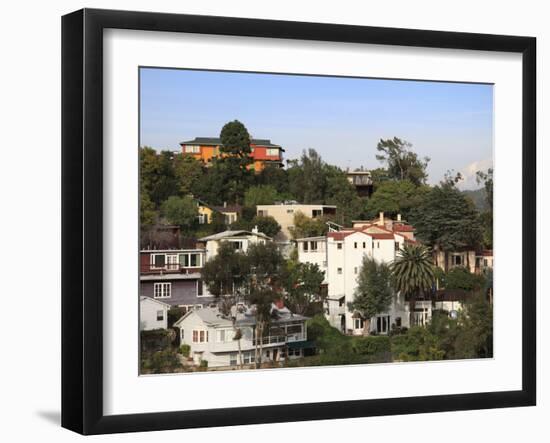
(30, 173)
(148, 309)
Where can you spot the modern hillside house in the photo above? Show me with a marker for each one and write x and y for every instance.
(210, 336)
(284, 214)
(362, 182)
(207, 148)
(173, 277)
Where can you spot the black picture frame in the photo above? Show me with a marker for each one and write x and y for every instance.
(82, 215)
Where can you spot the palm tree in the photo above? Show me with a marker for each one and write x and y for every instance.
(413, 273)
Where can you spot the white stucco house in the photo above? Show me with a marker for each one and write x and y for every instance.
(153, 314)
(210, 336)
(342, 256)
(240, 240)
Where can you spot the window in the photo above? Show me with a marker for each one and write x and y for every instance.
(190, 149)
(355, 270)
(358, 323)
(485, 262)
(339, 245)
(294, 352)
(397, 246)
(313, 246)
(200, 291)
(316, 213)
(355, 245)
(200, 336)
(248, 358)
(220, 336)
(378, 244)
(457, 260)
(339, 270)
(158, 260)
(190, 260)
(172, 261)
(306, 246)
(160, 315)
(398, 322)
(162, 290)
(364, 245)
(237, 245)
(383, 324)
(233, 359)
(272, 151)
(290, 211)
(203, 219)
(262, 213)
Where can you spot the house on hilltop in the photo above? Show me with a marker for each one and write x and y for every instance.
(205, 149)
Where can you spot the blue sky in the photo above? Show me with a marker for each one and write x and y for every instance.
(342, 118)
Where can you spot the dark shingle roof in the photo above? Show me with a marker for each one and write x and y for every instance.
(217, 141)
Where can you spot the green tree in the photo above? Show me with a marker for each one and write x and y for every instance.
(373, 294)
(264, 285)
(447, 220)
(476, 337)
(402, 163)
(229, 175)
(486, 178)
(235, 140)
(341, 193)
(147, 213)
(157, 174)
(260, 195)
(268, 225)
(461, 278)
(306, 177)
(225, 275)
(277, 177)
(188, 172)
(305, 226)
(303, 288)
(412, 274)
(395, 197)
(181, 211)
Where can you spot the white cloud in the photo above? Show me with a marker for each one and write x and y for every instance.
(469, 173)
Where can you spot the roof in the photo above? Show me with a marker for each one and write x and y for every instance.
(228, 208)
(229, 234)
(216, 141)
(170, 251)
(170, 277)
(213, 317)
(210, 316)
(293, 205)
(381, 236)
(402, 228)
(321, 238)
(144, 298)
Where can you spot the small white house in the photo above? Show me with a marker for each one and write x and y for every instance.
(240, 240)
(153, 314)
(210, 336)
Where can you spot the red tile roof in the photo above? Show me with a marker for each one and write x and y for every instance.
(403, 228)
(381, 236)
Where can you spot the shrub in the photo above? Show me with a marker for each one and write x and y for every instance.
(185, 350)
(372, 345)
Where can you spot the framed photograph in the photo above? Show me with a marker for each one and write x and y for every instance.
(268, 221)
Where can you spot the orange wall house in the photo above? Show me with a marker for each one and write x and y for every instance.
(206, 148)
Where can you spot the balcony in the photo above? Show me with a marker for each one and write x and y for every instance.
(279, 339)
(170, 268)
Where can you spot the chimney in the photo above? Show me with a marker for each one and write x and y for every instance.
(398, 217)
(255, 229)
(381, 216)
(225, 204)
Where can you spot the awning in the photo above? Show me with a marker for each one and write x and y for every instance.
(301, 344)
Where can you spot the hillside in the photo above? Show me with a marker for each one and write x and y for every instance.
(478, 197)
